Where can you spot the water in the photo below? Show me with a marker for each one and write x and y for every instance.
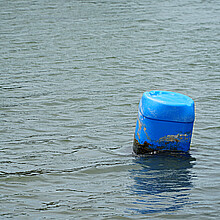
(71, 76)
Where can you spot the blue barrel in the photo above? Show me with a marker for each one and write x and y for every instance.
(165, 122)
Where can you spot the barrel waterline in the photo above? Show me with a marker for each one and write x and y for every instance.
(165, 122)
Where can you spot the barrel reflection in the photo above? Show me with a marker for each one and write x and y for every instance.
(162, 182)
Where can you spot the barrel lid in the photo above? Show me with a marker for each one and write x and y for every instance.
(167, 106)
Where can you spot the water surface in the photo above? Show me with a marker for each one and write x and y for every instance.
(71, 76)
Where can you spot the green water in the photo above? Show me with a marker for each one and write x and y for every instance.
(71, 77)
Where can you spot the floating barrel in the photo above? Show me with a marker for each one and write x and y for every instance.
(165, 122)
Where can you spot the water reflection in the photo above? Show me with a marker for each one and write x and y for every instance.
(162, 182)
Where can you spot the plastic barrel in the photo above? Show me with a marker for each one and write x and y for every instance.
(165, 122)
